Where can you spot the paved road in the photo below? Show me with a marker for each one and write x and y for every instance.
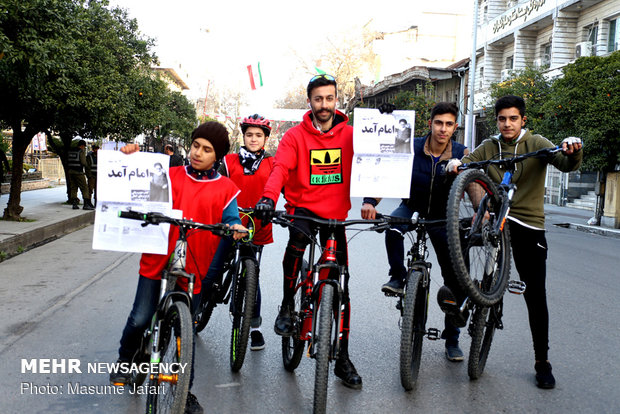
(64, 300)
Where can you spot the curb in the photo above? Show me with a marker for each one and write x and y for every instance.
(591, 229)
(20, 243)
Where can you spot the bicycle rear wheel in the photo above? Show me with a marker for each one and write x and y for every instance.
(481, 259)
(244, 300)
(412, 330)
(293, 346)
(175, 348)
(322, 344)
(481, 331)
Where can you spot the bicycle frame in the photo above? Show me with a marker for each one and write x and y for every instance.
(320, 276)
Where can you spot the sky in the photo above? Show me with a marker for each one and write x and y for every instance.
(214, 41)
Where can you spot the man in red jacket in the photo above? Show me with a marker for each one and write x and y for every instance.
(313, 164)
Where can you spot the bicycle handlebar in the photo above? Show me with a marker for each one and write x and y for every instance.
(219, 229)
(382, 221)
(510, 162)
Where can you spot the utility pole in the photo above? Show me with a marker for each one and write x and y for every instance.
(470, 139)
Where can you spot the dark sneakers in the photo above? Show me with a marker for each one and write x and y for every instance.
(118, 378)
(448, 303)
(395, 286)
(284, 322)
(544, 377)
(192, 406)
(345, 370)
(257, 342)
(454, 353)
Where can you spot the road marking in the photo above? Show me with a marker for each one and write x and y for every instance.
(229, 385)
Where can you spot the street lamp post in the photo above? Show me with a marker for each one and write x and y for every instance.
(469, 126)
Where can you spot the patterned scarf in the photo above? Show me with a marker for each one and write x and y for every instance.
(250, 161)
(203, 175)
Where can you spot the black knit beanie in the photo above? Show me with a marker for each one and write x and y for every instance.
(216, 134)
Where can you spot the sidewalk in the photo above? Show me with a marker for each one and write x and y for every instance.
(49, 218)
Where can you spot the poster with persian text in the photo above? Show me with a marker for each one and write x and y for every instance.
(383, 153)
(137, 182)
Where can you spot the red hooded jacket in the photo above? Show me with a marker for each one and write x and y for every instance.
(314, 168)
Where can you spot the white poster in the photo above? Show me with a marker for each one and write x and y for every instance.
(137, 182)
(383, 153)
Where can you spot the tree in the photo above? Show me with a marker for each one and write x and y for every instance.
(35, 41)
(584, 103)
(74, 68)
(418, 101)
(345, 55)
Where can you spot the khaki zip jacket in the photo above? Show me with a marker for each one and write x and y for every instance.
(528, 200)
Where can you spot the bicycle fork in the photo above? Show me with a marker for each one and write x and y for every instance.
(320, 278)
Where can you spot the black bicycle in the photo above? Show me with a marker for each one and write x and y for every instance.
(318, 312)
(479, 246)
(413, 303)
(169, 338)
(239, 290)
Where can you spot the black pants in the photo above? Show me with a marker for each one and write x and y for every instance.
(529, 250)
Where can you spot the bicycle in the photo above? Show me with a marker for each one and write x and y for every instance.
(318, 313)
(413, 303)
(479, 246)
(168, 340)
(239, 287)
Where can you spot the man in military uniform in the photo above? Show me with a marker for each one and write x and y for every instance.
(91, 172)
(76, 164)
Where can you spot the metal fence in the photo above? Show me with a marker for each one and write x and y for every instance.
(51, 168)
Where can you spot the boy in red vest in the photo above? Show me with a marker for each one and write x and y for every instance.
(204, 196)
(249, 170)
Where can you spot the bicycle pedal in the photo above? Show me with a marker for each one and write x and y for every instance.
(433, 334)
(393, 294)
(516, 286)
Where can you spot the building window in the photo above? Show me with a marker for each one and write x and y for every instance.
(481, 77)
(614, 36)
(545, 58)
(509, 62)
(592, 35)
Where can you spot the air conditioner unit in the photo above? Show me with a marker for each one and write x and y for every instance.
(583, 49)
(505, 74)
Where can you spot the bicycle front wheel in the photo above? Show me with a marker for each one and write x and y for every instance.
(322, 344)
(482, 331)
(480, 256)
(293, 346)
(412, 330)
(244, 299)
(176, 349)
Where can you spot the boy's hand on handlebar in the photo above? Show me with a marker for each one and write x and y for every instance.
(264, 209)
(571, 145)
(368, 211)
(453, 166)
(130, 148)
(240, 231)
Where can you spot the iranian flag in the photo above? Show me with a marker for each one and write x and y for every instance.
(255, 80)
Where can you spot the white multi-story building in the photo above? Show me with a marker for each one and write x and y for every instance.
(513, 34)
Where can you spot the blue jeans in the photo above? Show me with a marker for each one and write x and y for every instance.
(215, 273)
(394, 244)
(144, 306)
